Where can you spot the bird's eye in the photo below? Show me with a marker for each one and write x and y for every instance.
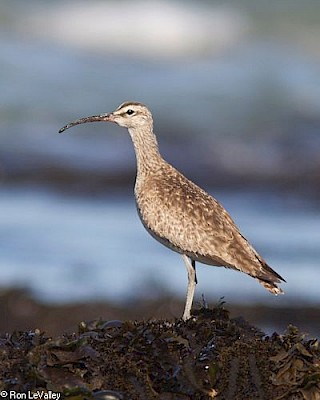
(130, 112)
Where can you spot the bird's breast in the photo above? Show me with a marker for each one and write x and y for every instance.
(173, 213)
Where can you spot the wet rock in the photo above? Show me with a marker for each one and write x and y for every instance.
(209, 356)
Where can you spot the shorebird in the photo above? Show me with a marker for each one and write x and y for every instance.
(178, 213)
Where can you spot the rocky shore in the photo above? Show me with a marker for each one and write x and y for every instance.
(210, 356)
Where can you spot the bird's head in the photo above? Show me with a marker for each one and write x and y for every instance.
(131, 115)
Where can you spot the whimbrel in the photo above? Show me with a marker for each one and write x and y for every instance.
(178, 213)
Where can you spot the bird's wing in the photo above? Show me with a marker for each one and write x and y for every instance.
(178, 211)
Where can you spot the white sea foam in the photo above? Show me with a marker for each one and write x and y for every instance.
(147, 28)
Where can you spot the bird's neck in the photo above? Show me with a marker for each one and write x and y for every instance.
(146, 149)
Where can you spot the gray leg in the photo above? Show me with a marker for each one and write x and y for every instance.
(192, 281)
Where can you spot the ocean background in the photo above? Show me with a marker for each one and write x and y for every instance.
(235, 93)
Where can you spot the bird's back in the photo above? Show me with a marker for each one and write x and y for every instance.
(185, 218)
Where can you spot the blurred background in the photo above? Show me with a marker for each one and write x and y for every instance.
(234, 88)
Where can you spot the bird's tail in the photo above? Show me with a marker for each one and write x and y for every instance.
(269, 278)
(271, 286)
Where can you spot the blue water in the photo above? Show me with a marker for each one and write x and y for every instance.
(250, 104)
(70, 248)
(235, 94)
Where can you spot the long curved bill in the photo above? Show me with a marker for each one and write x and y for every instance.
(94, 118)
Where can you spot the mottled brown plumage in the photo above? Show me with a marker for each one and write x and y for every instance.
(180, 214)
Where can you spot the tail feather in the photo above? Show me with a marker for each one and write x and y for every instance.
(269, 278)
(271, 286)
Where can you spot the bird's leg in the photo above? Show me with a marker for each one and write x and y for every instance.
(192, 281)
